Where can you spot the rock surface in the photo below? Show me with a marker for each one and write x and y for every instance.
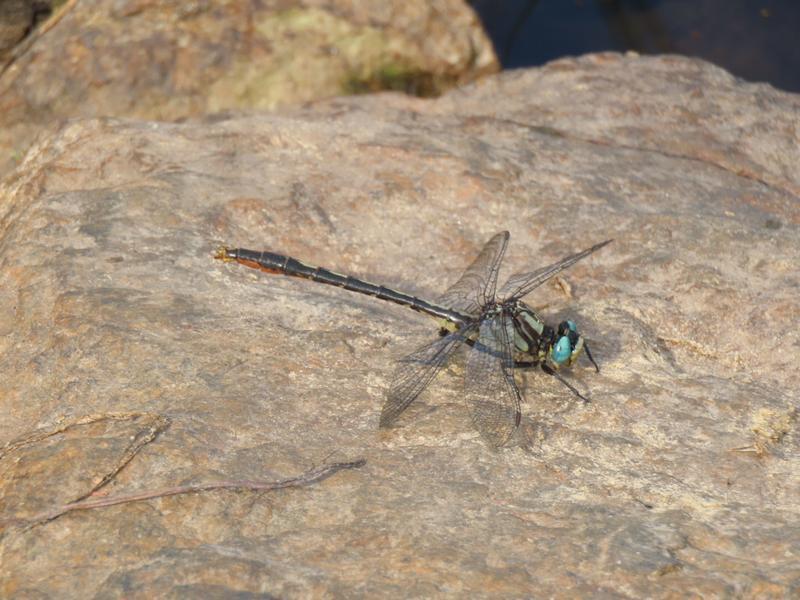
(167, 60)
(132, 361)
(18, 19)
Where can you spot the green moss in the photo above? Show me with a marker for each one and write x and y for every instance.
(415, 82)
(315, 54)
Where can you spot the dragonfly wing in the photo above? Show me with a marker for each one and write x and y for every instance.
(477, 285)
(415, 371)
(491, 393)
(523, 283)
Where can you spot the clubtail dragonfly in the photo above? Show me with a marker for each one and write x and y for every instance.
(503, 332)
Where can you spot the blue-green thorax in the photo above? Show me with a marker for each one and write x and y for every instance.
(535, 342)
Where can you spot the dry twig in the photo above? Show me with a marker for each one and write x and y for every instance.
(307, 478)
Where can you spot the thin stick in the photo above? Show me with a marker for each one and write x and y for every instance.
(159, 421)
(307, 478)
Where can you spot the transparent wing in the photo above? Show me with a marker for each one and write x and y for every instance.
(491, 393)
(415, 371)
(522, 283)
(478, 283)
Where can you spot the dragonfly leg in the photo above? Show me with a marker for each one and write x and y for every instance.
(568, 385)
(526, 364)
(589, 355)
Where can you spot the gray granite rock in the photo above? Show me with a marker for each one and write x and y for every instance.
(132, 361)
(16, 19)
(172, 60)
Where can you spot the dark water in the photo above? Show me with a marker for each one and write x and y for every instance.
(755, 40)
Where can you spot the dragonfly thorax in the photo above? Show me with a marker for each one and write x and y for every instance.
(532, 337)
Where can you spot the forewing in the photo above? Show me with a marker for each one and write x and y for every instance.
(415, 371)
(478, 283)
(492, 395)
(523, 283)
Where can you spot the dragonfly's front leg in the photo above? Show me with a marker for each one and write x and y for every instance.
(526, 365)
(570, 387)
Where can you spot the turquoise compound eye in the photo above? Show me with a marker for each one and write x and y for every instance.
(572, 326)
(562, 350)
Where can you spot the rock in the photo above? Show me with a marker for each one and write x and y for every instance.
(132, 361)
(684, 108)
(172, 60)
(17, 19)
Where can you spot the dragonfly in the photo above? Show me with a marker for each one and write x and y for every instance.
(500, 331)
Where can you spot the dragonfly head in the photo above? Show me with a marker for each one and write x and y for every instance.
(567, 346)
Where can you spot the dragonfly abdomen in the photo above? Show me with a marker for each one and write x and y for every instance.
(286, 265)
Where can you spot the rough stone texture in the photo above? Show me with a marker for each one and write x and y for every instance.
(673, 106)
(16, 19)
(171, 59)
(133, 361)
